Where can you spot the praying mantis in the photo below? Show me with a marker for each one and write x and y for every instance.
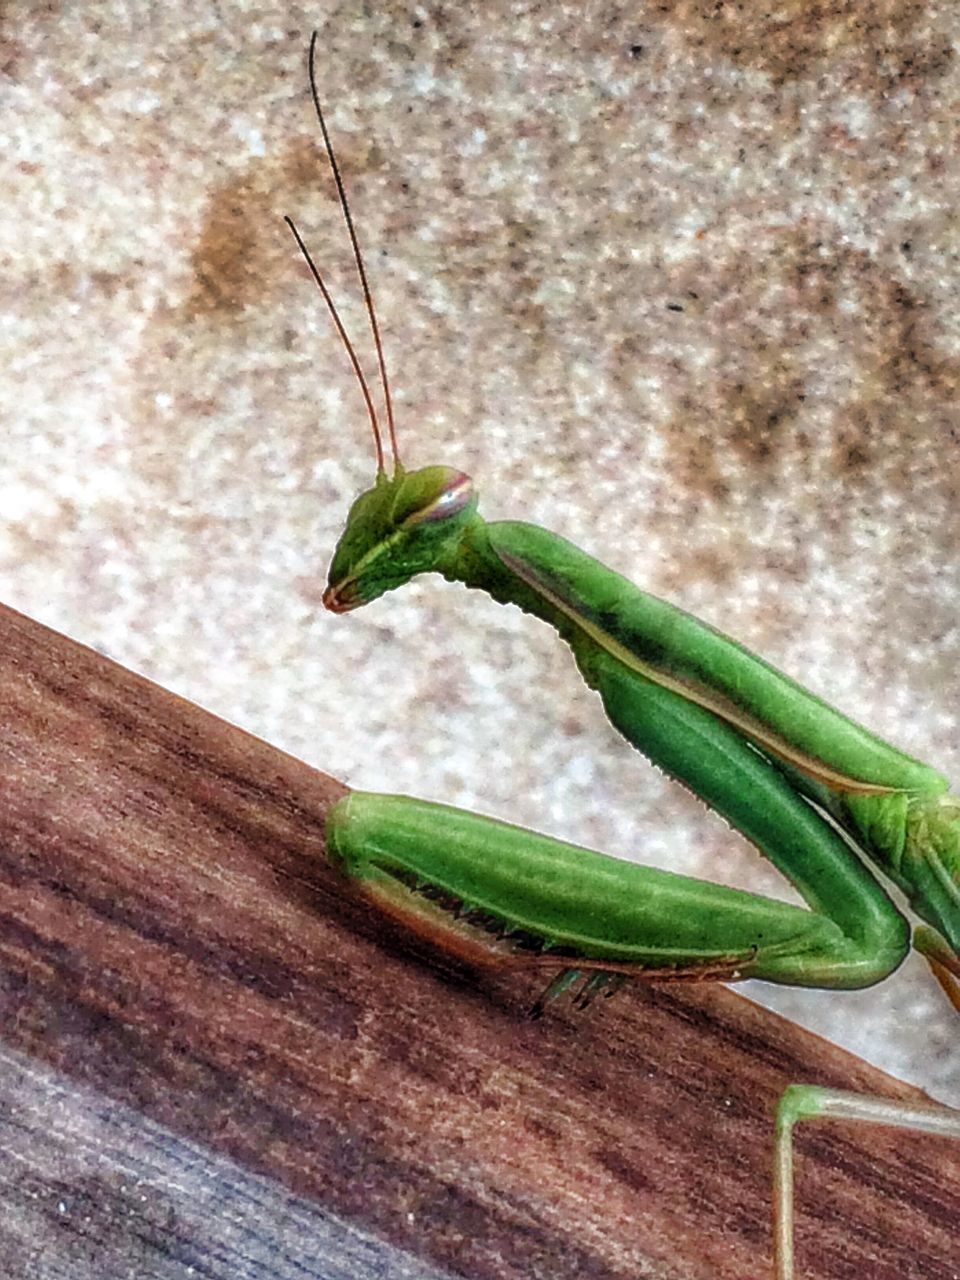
(820, 796)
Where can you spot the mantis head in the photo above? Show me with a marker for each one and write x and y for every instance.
(408, 523)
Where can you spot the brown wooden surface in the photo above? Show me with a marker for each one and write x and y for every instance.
(172, 942)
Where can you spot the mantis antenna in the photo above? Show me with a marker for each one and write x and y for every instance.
(367, 296)
(314, 271)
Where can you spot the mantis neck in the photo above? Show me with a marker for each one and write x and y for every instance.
(475, 563)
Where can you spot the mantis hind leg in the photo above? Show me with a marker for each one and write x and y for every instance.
(809, 1102)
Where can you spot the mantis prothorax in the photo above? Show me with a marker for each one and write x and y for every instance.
(800, 780)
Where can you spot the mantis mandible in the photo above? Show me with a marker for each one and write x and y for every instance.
(802, 782)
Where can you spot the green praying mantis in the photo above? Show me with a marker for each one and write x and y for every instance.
(819, 795)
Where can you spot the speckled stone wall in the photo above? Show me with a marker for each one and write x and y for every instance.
(676, 280)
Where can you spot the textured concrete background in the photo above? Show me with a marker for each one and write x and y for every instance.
(677, 281)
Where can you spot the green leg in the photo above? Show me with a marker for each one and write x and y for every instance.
(751, 792)
(809, 1102)
(496, 894)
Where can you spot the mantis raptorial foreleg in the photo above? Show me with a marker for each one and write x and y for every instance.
(817, 794)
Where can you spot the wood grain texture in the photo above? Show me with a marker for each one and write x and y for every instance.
(172, 939)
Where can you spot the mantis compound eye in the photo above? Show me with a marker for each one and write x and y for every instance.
(449, 493)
